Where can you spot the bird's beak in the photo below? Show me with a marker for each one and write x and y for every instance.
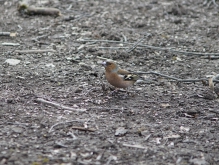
(104, 63)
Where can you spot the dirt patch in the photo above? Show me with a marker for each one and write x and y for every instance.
(158, 121)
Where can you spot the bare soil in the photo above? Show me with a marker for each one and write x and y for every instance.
(158, 121)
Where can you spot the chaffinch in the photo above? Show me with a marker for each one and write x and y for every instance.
(117, 77)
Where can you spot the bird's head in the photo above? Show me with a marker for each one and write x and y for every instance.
(110, 66)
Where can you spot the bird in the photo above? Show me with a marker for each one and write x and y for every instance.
(117, 77)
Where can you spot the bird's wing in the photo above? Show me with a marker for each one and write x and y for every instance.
(129, 77)
(123, 72)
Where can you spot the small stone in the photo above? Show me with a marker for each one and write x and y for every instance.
(50, 65)
(121, 131)
(12, 61)
(78, 90)
(75, 106)
(85, 66)
(17, 129)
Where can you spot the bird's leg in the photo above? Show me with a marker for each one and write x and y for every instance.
(126, 92)
(114, 91)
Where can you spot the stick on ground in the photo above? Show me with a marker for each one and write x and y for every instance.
(83, 129)
(150, 47)
(174, 78)
(50, 130)
(59, 105)
(31, 10)
(34, 51)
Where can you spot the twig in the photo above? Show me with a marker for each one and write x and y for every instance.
(5, 33)
(192, 80)
(216, 77)
(214, 2)
(214, 111)
(156, 73)
(8, 34)
(39, 37)
(72, 135)
(209, 3)
(150, 47)
(10, 44)
(211, 57)
(34, 51)
(147, 137)
(17, 123)
(101, 109)
(124, 38)
(115, 47)
(50, 130)
(134, 146)
(136, 44)
(59, 105)
(32, 10)
(191, 53)
(110, 159)
(89, 91)
(84, 129)
(102, 58)
(211, 84)
(174, 78)
(10, 52)
(108, 41)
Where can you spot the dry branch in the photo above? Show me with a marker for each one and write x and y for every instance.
(10, 44)
(102, 58)
(31, 10)
(176, 79)
(34, 51)
(159, 74)
(8, 34)
(84, 129)
(136, 44)
(147, 137)
(59, 105)
(215, 79)
(134, 146)
(4, 33)
(209, 2)
(50, 130)
(211, 57)
(150, 47)
(114, 47)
